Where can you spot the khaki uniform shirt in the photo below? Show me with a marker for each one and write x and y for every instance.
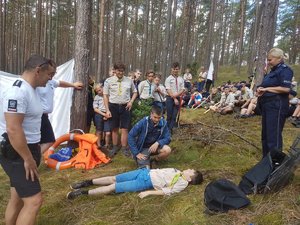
(146, 89)
(175, 84)
(162, 179)
(119, 91)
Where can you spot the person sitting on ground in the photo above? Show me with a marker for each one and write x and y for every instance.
(296, 116)
(195, 99)
(249, 109)
(150, 182)
(213, 98)
(226, 103)
(102, 122)
(150, 137)
(293, 100)
(237, 96)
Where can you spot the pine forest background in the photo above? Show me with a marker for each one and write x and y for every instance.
(150, 34)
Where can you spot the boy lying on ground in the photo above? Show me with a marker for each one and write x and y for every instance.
(149, 182)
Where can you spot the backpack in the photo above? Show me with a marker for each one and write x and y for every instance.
(223, 195)
(255, 180)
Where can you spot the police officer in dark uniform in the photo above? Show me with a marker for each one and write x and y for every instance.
(274, 103)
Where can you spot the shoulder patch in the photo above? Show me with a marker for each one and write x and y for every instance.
(12, 105)
(17, 83)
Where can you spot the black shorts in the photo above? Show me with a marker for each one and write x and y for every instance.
(16, 173)
(47, 134)
(121, 117)
(101, 124)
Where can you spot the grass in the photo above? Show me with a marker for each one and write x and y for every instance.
(219, 154)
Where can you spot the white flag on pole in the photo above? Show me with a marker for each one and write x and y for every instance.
(210, 70)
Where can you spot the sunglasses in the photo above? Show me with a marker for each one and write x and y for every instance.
(47, 62)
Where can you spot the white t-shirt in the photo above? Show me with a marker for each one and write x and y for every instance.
(46, 95)
(22, 98)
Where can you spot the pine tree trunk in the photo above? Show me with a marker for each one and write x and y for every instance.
(173, 32)
(266, 35)
(145, 36)
(211, 24)
(243, 4)
(100, 41)
(167, 41)
(82, 64)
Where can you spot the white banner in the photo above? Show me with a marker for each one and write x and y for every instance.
(60, 118)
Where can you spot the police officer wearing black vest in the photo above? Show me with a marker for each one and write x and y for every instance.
(274, 102)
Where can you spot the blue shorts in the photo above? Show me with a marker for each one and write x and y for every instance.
(133, 181)
(101, 124)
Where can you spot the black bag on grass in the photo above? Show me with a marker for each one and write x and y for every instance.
(223, 195)
(255, 180)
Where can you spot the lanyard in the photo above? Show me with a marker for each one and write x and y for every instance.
(175, 179)
(176, 82)
(120, 86)
(150, 84)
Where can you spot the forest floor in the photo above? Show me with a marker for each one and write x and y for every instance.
(217, 151)
(218, 146)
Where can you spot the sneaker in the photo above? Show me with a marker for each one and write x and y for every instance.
(74, 194)
(81, 184)
(126, 152)
(114, 151)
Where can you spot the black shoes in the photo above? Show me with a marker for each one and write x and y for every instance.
(81, 184)
(74, 194)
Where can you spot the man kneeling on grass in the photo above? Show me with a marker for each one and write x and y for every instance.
(149, 182)
(149, 138)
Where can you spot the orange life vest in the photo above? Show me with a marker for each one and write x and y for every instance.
(88, 157)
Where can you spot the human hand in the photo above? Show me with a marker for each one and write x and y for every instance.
(108, 114)
(176, 101)
(78, 85)
(143, 194)
(141, 156)
(30, 169)
(260, 91)
(129, 105)
(153, 147)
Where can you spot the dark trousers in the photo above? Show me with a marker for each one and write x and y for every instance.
(200, 85)
(208, 84)
(274, 112)
(172, 111)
